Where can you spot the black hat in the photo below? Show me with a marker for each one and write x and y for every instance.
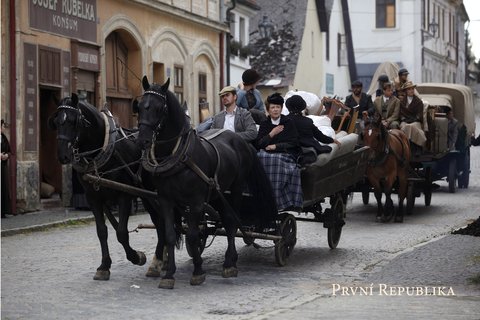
(250, 76)
(383, 78)
(402, 71)
(295, 103)
(275, 98)
(357, 83)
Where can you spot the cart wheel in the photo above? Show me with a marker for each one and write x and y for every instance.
(334, 232)
(365, 196)
(202, 238)
(410, 197)
(452, 175)
(464, 178)
(284, 247)
(427, 189)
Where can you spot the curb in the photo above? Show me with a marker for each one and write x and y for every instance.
(45, 226)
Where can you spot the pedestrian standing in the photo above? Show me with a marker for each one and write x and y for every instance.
(6, 151)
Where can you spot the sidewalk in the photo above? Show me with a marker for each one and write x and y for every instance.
(41, 220)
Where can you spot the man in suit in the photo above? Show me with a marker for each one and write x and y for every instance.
(388, 106)
(234, 118)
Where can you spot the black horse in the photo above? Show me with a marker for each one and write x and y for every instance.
(90, 140)
(189, 171)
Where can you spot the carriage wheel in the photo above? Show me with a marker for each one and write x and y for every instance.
(452, 175)
(464, 178)
(365, 196)
(334, 232)
(410, 197)
(284, 247)
(427, 189)
(202, 238)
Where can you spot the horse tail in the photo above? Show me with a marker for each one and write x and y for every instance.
(261, 189)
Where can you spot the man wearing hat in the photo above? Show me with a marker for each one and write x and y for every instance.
(411, 117)
(249, 97)
(233, 118)
(358, 98)
(381, 81)
(401, 79)
(308, 133)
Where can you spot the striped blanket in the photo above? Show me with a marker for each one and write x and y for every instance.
(284, 175)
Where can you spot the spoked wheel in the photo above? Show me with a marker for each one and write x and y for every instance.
(284, 246)
(337, 222)
(427, 189)
(410, 197)
(452, 175)
(202, 240)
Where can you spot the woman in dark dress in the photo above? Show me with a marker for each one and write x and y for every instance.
(277, 141)
(308, 133)
(5, 146)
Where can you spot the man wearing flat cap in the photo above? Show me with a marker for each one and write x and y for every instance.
(249, 97)
(233, 118)
(401, 79)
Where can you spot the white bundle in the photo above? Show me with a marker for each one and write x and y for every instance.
(314, 104)
(324, 124)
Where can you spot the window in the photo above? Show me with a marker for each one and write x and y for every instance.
(242, 31)
(342, 50)
(178, 83)
(385, 13)
(327, 45)
(202, 97)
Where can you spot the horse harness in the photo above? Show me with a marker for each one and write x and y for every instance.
(382, 157)
(181, 157)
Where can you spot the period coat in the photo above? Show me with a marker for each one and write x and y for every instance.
(243, 123)
(389, 109)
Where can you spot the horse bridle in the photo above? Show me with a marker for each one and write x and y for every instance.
(160, 123)
(79, 120)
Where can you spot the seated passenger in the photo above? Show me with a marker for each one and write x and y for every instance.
(234, 118)
(453, 128)
(388, 106)
(308, 133)
(411, 118)
(278, 143)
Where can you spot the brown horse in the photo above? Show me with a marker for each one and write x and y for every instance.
(389, 160)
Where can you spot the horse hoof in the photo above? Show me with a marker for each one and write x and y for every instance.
(154, 269)
(142, 259)
(166, 283)
(379, 219)
(196, 280)
(398, 219)
(230, 272)
(102, 275)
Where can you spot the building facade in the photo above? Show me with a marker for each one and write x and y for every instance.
(425, 36)
(302, 46)
(99, 50)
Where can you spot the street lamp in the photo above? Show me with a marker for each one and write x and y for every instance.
(265, 27)
(432, 30)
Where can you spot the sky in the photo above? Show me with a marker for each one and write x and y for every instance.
(473, 10)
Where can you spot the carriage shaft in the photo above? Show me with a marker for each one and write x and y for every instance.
(119, 186)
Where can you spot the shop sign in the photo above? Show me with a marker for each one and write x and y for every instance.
(72, 18)
(85, 57)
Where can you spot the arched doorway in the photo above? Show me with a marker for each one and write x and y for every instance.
(123, 69)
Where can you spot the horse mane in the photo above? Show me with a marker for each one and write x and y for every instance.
(174, 106)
